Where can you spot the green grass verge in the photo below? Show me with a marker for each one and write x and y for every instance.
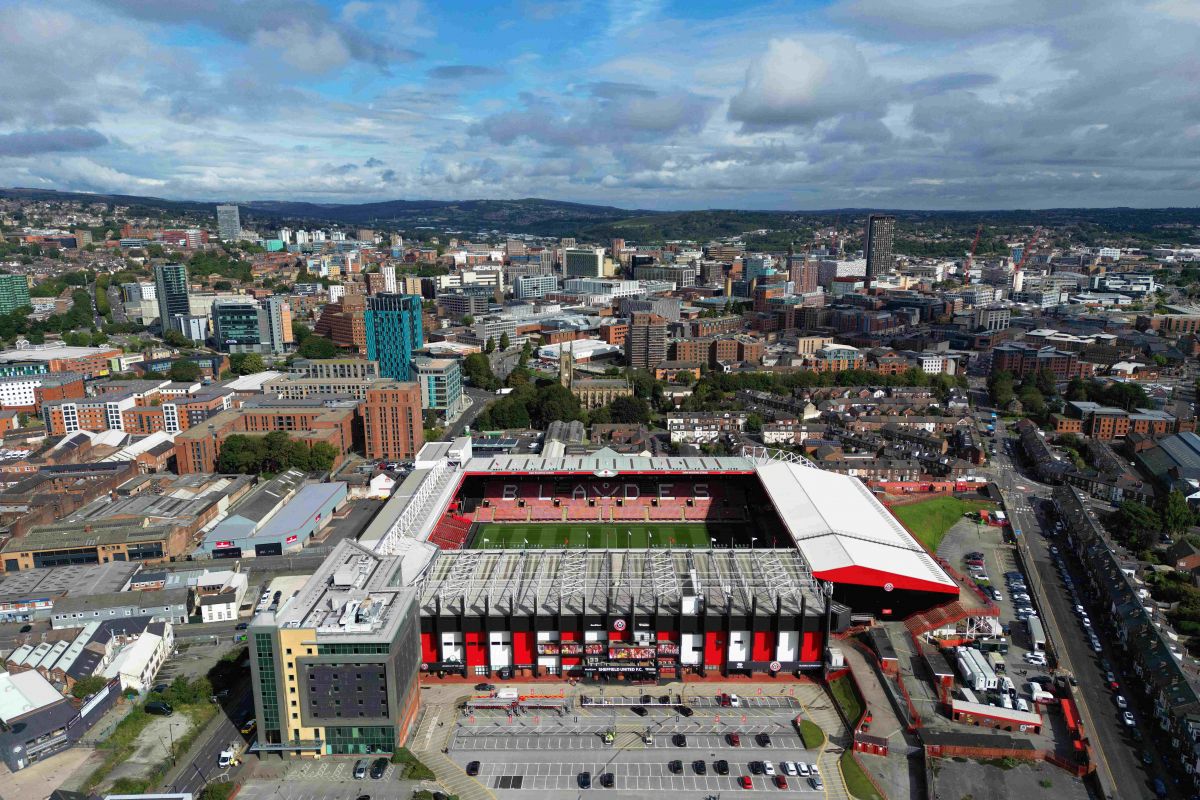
(929, 520)
(857, 782)
(845, 695)
(121, 744)
(576, 534)
(811, 735)
(413, 768)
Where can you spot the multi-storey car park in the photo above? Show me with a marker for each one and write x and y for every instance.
(602, 567)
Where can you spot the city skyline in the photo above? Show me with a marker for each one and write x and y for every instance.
(633, 103)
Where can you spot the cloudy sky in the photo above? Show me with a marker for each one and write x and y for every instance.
(635, 103)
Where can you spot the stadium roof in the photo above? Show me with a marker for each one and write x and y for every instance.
(578, 581)
(845, 534)
(608, 462)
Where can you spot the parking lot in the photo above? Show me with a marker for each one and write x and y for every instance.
(340, 769)
(629, 777)
(548, 751)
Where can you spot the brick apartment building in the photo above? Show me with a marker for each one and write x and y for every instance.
(717, 349)
(309, 421)
(1024, 361)
(392, 425)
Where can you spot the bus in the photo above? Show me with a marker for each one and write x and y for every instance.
(1037, 634)
(993, 646)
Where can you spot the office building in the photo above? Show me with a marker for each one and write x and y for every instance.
(530, 287)
(229, 223)
(235, 325)
(802, 272)
(441, 384)
(335, 669)
(393, 331)
(392, 424)
(14, 293)
(584, 262)
(278, 323)
(171, 290)
(881, 234)
(646, 344)
(327, 368)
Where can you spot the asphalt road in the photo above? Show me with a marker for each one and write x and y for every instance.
(1119, 765)
(199, 766)
(479, 401)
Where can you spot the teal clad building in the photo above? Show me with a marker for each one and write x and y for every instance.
(14, 293)
(393, 328)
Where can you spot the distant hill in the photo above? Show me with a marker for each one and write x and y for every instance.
(919, 232)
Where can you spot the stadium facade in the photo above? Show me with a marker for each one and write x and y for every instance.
(789, 552)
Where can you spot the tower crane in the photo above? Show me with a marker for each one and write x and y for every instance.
(971, 257)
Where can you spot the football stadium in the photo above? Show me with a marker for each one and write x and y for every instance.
(602, 567)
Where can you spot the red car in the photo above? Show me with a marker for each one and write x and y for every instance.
(745, 782)
(781, 781)
(733, 739)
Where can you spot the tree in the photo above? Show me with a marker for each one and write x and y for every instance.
(246, 363)
(176, 339)
(478, 371)
(554, 401)
(89, 686)
(490, 347)
(317, 347)
(629, 410)
(468, 320)
(184, 370)
(504, 341)
(1137, 524)
(1044, 380)
(1077, 389)
(509, 411)
(754, 422)
(1032, 400)
(1177, 517)
(1001, 384)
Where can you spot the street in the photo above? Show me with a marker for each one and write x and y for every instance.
(200, 765)
(1120, 769)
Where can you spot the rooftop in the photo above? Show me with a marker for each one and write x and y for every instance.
(76, 580)
(52, 352)
(476, 582)
(87, 534)
(351, 596)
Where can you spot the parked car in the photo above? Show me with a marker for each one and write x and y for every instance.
(472, 768)
(700, 767)
(224, 759)
(248, 727)
(721, 767)
(768, 768)
(360, 769)
(802, 769)
(685, 711)
(241, 626)
(585, 780)
(639, 710)
(26, 628)
(378, 767)
(733, 739)
(788, 768)
(1127, 718)
(1122, 703)
(485, 687)
(757, 768)
(607, 780)
(679, 740)
(781, 782)
(763, 739)
(745, 782)
(675, 766)
(816, 783)
(159, 708)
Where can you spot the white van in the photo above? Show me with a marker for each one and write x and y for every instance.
(1022, 704)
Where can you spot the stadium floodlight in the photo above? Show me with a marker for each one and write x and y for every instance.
(712, 540)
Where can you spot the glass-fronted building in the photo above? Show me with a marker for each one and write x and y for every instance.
(393, 329)
(335, 667)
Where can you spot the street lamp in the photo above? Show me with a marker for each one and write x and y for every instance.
(753, 539)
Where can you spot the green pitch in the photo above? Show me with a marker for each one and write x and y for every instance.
(596, 535)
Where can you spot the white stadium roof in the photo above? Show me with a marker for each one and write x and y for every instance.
(845, 534)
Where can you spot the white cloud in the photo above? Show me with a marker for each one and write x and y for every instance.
(801, 83)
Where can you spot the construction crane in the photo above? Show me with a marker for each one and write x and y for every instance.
(1037, 233)
(971, 257)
